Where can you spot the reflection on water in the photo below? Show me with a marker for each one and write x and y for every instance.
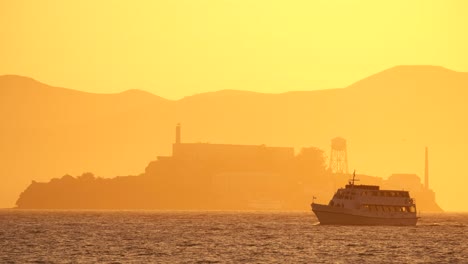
(142, 236)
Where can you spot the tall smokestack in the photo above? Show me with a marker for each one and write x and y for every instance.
(177, 134)
(426, 172)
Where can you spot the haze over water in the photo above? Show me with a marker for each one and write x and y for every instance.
(220, 237)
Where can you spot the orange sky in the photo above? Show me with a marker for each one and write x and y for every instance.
(178, 48)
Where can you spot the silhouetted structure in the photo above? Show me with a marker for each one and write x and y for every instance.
(424, 196)
(338, 156)
(177, 139)
(426, 171)
(206, 177)
(196, 176)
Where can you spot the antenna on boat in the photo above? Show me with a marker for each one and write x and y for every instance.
(351, 181)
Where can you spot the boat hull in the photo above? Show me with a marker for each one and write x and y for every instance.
(328, 215)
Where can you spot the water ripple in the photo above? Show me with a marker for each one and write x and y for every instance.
(220, 237)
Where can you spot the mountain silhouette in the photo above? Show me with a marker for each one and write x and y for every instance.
(387, 118)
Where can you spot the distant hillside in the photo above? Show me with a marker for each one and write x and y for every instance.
(387, 119)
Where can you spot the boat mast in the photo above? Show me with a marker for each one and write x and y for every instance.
(351, 182)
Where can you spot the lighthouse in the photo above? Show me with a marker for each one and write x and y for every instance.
(426, 171)
(177, 135)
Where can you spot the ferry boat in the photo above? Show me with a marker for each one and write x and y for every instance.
(367, 205)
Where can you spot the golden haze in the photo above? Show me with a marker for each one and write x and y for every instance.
(180, 48)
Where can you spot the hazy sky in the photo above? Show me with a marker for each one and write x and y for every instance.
(177, 48)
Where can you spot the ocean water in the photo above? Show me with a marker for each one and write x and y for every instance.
(223, 237)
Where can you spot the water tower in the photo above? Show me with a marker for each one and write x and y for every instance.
(338, 156)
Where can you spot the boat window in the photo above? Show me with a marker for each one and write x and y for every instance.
(403, 209)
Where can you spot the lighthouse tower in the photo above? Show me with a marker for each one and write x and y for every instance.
(426, 171)
(177, 135)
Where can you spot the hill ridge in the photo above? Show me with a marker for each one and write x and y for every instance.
(398, 69)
